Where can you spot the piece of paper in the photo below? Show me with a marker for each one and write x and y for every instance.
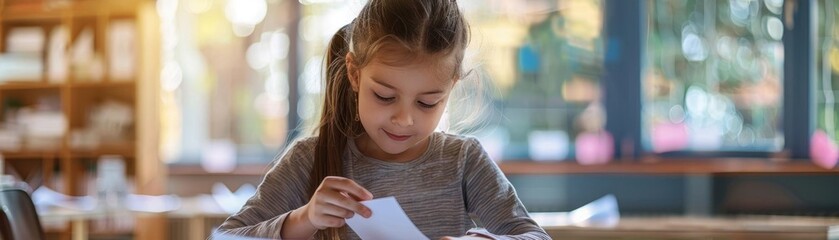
(388, 221)
(602, 212)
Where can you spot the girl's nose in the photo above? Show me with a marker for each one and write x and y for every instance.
(402, 118)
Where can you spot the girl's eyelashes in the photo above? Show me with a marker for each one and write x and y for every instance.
(426, 105)
(383, 99)
(391, 99)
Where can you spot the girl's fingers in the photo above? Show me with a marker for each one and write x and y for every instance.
(339, 200)
(336, 211)
(326, 221)
(325, 215)
(334, 201)
(348, 186)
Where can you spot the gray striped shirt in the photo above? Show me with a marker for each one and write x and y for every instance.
(453, 178)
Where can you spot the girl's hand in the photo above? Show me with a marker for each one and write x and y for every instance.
(335, 200)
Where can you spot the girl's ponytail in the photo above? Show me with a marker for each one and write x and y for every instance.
(337, 122)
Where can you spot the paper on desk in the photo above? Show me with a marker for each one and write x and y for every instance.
(388, 221)
(602, 212)
(44, 197)
(230, 201)
(152, 203)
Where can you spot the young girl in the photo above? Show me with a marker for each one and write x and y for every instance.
(389, 75)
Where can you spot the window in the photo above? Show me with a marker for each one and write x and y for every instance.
(224, 81)
(826, 82)
(321, 20)
(714, 77)
(544, 72)
(544, 59)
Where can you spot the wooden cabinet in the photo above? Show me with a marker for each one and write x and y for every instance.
(94, 93)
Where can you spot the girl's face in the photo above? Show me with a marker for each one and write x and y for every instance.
(399, 106)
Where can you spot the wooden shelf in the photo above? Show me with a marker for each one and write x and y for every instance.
(240, 170)
(31, 12)
(78, 96)
(40, 12)
(111, 234)
(669, 166)
(664, 167)
(98, 84)
(122, 150)
(29, 85)
(30, 154)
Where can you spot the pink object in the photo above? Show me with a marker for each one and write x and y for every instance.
(823, 150)
(669, 137)
(594, 147)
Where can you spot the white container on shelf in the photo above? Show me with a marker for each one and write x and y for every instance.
(10, 140)
(25, 40)
(42, 130)
(111, 183)
(550, 145)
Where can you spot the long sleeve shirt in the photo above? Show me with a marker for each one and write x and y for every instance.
(438, 191)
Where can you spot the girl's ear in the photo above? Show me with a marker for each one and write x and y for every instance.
(352, 71)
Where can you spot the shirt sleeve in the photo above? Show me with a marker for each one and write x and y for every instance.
(283, 189)
(491, 197)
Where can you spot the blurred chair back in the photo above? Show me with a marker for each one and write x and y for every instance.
(19, 217)
(5, 227)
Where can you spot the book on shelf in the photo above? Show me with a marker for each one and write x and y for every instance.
(23, 59)
(57, 61)
(20, 67)
(122, 56)
(85, 62)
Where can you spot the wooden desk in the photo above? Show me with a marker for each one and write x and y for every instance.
(78, 219)
(198, 213)
(750, 227)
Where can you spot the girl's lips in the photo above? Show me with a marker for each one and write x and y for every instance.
(397, 137)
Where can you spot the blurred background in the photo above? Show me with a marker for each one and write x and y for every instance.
(679, 109)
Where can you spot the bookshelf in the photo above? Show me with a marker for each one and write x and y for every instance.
(95, 93)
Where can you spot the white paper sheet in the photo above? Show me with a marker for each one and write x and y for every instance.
(389, 221)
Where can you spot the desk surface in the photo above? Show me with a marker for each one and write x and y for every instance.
(747, 227)
(672, 227)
